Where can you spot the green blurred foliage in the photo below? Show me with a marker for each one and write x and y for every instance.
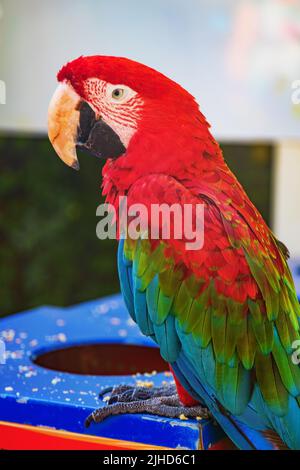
(253, 166)
(49, 252)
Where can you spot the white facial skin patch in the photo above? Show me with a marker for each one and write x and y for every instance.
(118, 105)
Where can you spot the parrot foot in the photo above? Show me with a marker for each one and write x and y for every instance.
(129, 393)
(161, 401)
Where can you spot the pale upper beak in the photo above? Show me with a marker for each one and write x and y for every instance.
(63, 123)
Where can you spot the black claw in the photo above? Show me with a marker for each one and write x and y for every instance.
(88, 421)
(104, 391)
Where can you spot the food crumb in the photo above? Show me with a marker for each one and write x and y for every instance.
(55, 381)
(144, 383)
(183, 417)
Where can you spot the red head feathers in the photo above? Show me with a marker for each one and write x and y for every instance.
(143, 79)
(159, 124)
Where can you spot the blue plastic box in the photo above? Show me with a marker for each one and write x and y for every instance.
(48, 379)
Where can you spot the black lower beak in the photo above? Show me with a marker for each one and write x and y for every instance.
(95, 136)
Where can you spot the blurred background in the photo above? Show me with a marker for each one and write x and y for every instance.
(241, 60)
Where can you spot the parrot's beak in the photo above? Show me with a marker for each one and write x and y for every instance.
(72, 123)
(63, 122)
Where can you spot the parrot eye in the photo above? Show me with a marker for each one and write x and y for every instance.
(118, 93)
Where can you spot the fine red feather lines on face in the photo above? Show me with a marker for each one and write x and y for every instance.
(123, 117)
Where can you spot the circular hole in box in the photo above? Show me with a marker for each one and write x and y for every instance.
(103, 359)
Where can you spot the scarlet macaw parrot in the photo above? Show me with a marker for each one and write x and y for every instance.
(224, 316)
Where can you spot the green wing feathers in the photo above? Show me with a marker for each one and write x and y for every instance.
(231, 304)
(251, 341)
